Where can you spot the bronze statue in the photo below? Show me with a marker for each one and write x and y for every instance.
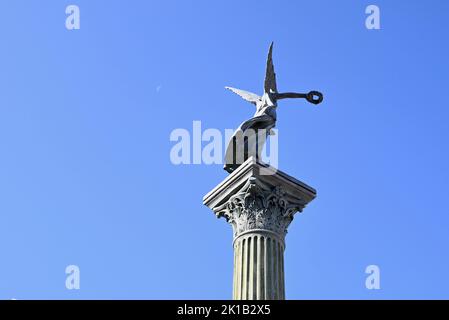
(249, 139)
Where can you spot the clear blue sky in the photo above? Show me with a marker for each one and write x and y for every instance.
(85, 120)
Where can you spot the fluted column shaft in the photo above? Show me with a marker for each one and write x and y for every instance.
(259, 202)
(258, 266)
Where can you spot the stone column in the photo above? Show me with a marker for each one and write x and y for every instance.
(259, 202)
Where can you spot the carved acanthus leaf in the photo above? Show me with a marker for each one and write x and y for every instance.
(258, 206)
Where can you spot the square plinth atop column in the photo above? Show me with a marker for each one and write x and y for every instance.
(264, 176)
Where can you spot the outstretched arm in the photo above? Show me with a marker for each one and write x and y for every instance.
(290, 95)
(314, 97)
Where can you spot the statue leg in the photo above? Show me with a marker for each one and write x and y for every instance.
(248, 140)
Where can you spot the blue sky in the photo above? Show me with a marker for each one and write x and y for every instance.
(85, 120)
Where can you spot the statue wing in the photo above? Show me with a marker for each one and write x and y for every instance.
(270, 75)
(248, 96)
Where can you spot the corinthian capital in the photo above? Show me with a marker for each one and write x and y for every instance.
(255, 198)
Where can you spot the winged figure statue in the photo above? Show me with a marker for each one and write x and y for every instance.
(249, 138)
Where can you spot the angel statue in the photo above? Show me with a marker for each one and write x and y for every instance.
(249, 139)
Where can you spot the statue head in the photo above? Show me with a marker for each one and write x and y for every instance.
(269, 100)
